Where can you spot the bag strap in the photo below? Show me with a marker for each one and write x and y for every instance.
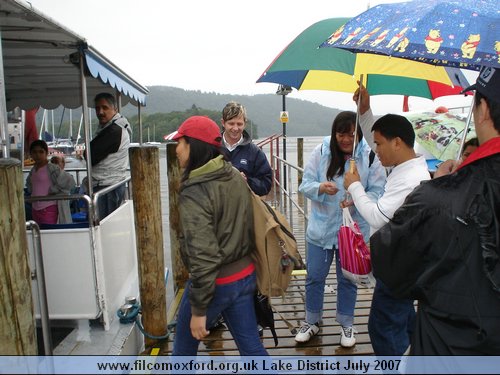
(346, 217)
(271, 211)
(290, 326)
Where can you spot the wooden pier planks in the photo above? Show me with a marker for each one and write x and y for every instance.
(326, 342)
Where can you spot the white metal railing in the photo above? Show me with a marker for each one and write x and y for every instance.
(92, 206)
(287, 190)
(38, 273)
(292, 201)
(285, 194)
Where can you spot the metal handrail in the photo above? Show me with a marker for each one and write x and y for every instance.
(285, 188)
(461, 108)
(93, 207)
(268, 140)
(101, 192)
(286, 193)
(64, 197)
(39, 274)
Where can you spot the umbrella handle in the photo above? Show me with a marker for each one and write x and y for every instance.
(466, 128)
(352, 165)
(357, 122)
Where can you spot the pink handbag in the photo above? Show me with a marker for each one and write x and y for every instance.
(354, 253)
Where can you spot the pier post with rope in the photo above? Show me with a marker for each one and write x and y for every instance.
(145, 176)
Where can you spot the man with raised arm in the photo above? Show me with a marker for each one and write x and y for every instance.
(391, 320)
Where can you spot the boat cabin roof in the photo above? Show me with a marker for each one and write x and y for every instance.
(41, 63)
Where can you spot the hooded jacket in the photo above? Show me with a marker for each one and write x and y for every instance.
(325, 217)
(217, 234)
(442, 248)
(252, 161)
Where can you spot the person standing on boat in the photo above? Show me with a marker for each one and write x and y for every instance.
(45, 179)
(249, 159)
(392, 321)
(322, 183)
(109, 153)
(450, 228)
(215, 210)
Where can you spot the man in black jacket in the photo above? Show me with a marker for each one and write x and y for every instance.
(442, 247)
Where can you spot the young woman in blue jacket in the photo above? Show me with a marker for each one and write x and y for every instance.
(323, 184)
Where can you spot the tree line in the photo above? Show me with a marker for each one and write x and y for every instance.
(154, 126)
(161, 124)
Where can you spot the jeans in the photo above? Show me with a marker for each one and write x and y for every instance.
(319, 261)
(109, 201)
(235, 302)
(391, 322)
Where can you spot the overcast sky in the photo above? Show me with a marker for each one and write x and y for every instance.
(218, 46)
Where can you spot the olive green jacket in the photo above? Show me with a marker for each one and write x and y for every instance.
(217, 232)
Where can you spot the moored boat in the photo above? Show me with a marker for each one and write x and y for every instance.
(90, 267)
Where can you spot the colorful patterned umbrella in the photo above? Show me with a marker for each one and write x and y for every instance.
(304, 66)
(458, 33)
(439, 133)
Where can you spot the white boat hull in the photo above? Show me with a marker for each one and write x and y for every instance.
(84, 284)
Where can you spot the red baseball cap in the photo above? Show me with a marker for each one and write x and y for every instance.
(198, 127)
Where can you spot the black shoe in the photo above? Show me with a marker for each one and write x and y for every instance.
(219, 323)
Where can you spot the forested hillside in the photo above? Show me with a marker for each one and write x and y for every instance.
(167, 107)
(306, 118)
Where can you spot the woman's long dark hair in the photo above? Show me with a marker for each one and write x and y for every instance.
(200, 153)
(342, 124)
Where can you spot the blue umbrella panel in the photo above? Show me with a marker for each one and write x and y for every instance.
(463, 34)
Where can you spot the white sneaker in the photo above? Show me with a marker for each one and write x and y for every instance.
(306, 332)
(347, 339)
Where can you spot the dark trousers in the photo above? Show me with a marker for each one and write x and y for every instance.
(391, 322)
(235, 302)
(109, 201)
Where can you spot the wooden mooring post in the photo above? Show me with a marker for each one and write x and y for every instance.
(145, 175)
(179, 272)
(17, 324)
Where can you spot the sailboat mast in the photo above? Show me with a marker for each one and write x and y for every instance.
(70, 124)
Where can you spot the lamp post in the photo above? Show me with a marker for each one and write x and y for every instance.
(284, 90)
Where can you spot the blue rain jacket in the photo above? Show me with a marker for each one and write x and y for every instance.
(325, 216)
